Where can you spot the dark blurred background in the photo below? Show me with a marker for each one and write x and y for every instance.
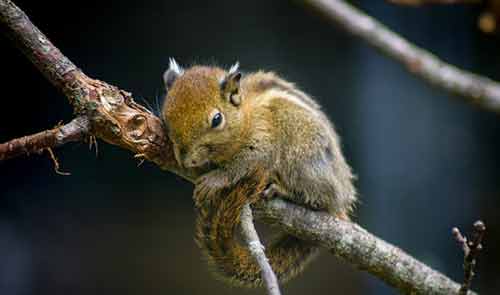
(426, 161)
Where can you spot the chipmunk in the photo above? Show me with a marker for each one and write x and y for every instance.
(251, 137)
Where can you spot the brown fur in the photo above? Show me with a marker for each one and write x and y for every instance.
(218, 219)
(275, 136)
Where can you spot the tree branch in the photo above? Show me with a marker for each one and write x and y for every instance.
(34, 44)
(475, 88)
(257, 250)
(471, 250)
(352, 243)
(112, 113)
(114, 117)
(36, 143)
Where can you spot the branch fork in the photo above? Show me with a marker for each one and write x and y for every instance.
(471, 249)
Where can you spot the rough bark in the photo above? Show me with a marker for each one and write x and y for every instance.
(350, 242)
(112, 113)
(36, 143)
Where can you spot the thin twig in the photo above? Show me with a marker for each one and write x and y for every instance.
(93, 143)
(57, 166)
(475, 88)
(257, 249)
(36, 143)
(352, 243)
(471, 250)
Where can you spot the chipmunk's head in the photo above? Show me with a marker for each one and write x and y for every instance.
(203, 113)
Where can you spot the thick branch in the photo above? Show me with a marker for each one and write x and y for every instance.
(34, 44)
(112, 113)
(477, 89)
(257, 249)
(36, 143)
(352, 243)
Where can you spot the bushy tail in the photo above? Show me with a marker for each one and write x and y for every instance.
(216, 226)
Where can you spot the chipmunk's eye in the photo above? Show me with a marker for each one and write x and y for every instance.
(217, 120)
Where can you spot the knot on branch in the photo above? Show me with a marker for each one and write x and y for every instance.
(116, 118)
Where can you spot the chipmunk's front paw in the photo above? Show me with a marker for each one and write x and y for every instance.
(207, 186)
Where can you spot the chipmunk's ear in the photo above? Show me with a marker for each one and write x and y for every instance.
(230, 85)
(174, 71)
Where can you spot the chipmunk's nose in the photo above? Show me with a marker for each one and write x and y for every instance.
(194, 159)
(191, 163)
(185, 159)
